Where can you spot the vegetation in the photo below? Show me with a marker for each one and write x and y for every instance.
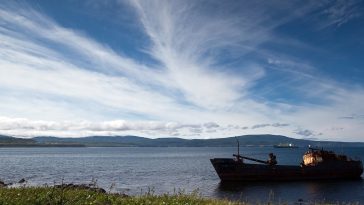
(58, 196)
(74, 196)
(135, 141)
(6, 140)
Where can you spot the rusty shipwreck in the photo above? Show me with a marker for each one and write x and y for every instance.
(316, 164)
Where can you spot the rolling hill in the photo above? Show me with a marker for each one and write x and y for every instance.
(247, 140)
(135, 141)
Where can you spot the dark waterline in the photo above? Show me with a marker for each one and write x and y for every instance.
(134, 170)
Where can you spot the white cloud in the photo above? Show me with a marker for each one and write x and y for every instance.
(35, 64)
(27, 128)
(183, 40)
(59, 81)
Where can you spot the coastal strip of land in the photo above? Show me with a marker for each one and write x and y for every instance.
(74, 194)
(78, 196)
(136, 141)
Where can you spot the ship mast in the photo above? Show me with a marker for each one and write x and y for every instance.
(238, 145)
(240, 158)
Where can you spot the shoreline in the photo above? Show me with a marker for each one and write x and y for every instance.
(78, 196)
(81, 194)
(92, 194)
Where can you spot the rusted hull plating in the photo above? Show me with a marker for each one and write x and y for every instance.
(231, 170)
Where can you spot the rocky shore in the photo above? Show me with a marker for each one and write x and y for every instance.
(3, 184)
(89, 187)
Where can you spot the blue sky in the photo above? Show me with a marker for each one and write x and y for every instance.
(191, 69)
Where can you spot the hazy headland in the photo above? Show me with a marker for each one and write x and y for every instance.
(136, 141)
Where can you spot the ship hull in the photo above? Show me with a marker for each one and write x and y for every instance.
(232, 170)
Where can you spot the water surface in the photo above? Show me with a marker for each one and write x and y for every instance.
(134, 170)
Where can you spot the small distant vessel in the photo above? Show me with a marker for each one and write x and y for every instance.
(316, 164)
(285, 145)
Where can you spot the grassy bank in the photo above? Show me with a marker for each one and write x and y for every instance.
(60, 196)
(50, 195)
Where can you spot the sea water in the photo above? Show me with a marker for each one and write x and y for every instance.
(136, 170)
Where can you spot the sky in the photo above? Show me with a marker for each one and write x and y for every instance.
(182, 68)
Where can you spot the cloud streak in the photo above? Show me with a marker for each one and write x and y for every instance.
(61, 81)
(186, 44)
(257, 126)
(341, 12)
(38, 63)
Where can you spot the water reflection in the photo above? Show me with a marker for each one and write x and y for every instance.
(293, 192)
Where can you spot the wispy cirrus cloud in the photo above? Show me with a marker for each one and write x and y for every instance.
(212, 72)
(187, 44)
(62, 69)
(340, 12)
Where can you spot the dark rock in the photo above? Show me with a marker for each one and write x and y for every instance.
(2, 184)
(80, 186)
(21, 181)
(123, 195)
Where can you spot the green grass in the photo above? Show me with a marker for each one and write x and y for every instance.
(58, 196)
(67, 196)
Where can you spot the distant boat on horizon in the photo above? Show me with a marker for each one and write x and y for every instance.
(285, 145)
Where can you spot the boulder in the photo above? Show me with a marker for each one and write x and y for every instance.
(3, 184)
(81, 186)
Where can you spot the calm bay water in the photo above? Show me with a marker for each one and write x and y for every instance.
(134, 170)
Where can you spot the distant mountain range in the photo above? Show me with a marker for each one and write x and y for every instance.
(7, 141)
(135, 141)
